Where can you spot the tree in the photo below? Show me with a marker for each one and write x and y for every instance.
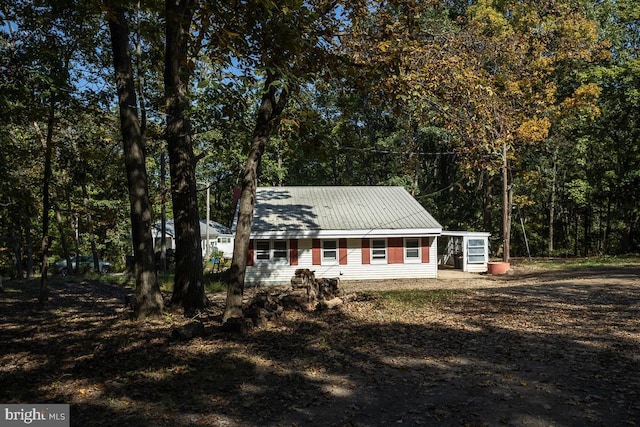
(47, 144)
(148, 297)
(486, 74)
(287, 44)
(188, 289)
(615, 176)
(44, 42)
(271, 107)
(53, 57)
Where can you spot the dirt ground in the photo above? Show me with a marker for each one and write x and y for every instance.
(529, 348)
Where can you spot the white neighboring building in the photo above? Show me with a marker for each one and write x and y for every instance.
(224, 239)
(220, 237)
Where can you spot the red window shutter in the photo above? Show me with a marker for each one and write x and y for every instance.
(366, 251)
(293, 251)
(395, 250)
(316, 259)
(342, 244)
(425, 249)
(250, 253)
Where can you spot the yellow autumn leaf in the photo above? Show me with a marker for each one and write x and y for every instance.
(534, 130)
(384, 46)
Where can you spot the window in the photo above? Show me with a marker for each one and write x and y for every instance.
(329, 250)
(275, 250)
(475, 251)
(224, 239)
(412, 250)
(279, 249)
(378, 250)
(263, 249)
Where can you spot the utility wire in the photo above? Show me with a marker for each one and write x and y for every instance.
(374, 150)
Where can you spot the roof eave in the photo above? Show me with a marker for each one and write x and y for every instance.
(337, 234)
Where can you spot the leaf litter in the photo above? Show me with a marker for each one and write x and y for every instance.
(531, 348)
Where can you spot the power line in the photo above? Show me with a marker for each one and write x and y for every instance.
(422, 196)
(424, 153)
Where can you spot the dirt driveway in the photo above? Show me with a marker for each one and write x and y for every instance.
(531, 348)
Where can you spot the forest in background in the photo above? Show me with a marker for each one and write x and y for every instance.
(422, 94)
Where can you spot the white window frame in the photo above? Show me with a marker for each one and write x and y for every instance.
(418, 249)
(335, 249)
(377, 259)
(282, 250)
(476, 251)
(269, 254)
(263, 253)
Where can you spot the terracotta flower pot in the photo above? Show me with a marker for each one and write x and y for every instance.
(498, 267)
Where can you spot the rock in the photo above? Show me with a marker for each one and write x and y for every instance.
(236, 325)
(329, 304)
(189, 331)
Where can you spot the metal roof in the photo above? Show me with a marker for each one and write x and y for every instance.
(215, 228)
(339, 210)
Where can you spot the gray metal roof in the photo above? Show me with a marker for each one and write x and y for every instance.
(316, 209)
(215, 228)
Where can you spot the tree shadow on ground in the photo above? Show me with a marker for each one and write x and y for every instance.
(551, 353)
(610, 271)
(508, 356)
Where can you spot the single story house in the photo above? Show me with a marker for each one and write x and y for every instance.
(220, 237)
(355, 233)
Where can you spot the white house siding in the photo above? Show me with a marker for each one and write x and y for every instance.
(224, 244)
(267, 272)
(215, 231)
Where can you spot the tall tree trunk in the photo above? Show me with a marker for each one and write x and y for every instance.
(46, 204)
(487, 205)
(29, 246)
(576, 229)
(148, 296)
(92, 238)
(630, 221)
(163, 213)
(607, 228)
(75, 227)
(506, 207)
(552, 203)
(271, 107)
(587, 230)
(188, 288)
(63, 236)
(17, 251)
